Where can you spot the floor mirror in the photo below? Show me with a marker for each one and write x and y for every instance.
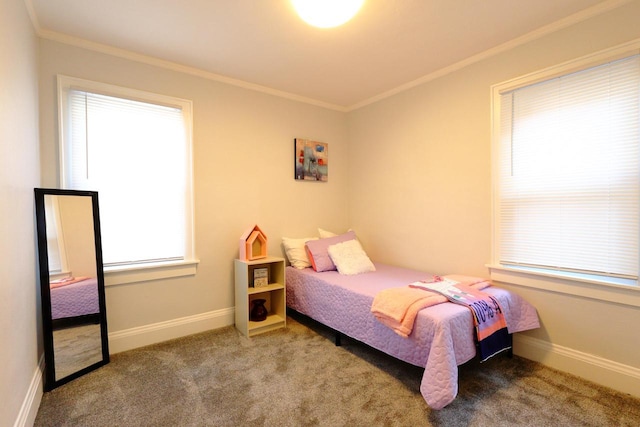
(74, 314)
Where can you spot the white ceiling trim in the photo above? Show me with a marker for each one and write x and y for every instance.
(146, 59)
(174, 66)
(531, 36)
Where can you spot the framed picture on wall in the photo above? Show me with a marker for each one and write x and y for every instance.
(311, 160)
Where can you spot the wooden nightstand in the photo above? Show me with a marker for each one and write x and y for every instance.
(274, 293)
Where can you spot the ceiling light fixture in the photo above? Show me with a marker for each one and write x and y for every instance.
(327, 13)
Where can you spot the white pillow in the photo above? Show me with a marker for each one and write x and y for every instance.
(350, 258)
(296, 253)
(326, 233)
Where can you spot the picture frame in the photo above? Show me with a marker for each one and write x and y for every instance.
(311, 160)
(260, 277)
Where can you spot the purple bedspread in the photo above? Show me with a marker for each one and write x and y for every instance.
(73, 300)
(443, 335)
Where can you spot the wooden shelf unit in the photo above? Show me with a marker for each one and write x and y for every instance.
(274, 294)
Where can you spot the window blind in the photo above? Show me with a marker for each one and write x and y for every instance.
(134, 154)
(569, 171)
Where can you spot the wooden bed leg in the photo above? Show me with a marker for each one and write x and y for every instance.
(338, 339)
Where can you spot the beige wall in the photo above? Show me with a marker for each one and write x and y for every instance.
(420, 184)
(76, 226)
(20, 333)
(410, 173)
(243, 174)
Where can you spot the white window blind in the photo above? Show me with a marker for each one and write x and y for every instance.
(136, 154)
(569, 171)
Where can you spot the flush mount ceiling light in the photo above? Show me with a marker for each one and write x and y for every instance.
(327, 13)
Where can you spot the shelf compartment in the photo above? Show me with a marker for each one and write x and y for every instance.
(273, 321)
(268, 288)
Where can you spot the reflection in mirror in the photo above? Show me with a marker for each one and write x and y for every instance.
(72, 284)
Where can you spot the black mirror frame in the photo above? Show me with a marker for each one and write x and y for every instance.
(50, 381)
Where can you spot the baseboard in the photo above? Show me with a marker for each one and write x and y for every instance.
(129, 339)
(31, 403)
(623, 378)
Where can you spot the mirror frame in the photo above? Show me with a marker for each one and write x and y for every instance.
(50, 381)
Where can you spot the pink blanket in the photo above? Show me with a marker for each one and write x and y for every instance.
(397, 308)
(66, 281)
(490, 324)
(75, 299)
(443, 336)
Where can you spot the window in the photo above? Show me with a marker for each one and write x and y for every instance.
(566, 172)
(134, 148)
(55, 240)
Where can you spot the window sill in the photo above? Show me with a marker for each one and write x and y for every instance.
(577, 286)
(141, 273)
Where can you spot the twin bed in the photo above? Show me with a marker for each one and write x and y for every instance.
(443, 335)
(74, 301)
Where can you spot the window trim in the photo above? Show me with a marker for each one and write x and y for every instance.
(60, 249)
(565, 283)
(559, 283)
(134, 273)
(122, 275)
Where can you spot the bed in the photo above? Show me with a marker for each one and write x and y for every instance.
(443, 335)
(74, 301)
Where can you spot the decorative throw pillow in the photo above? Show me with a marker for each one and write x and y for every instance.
(296, 253)
(326, 233)
(318, 254)
(350, 258)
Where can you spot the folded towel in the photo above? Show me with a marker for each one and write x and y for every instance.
(397, 308)
(475, 282)
(66, 281)
(488, 318)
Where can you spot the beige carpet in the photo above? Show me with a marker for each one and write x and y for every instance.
(76, 348)
(298, 377)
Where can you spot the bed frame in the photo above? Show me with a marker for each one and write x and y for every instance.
(75, 304)
(443, 336)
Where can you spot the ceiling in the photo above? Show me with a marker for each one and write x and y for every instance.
(390, 45)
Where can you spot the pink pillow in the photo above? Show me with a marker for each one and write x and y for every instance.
(318, 250)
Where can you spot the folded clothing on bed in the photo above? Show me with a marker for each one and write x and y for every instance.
(66, 281)
(488, 318)
(397, 308)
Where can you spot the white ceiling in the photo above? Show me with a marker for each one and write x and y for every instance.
(389, 45)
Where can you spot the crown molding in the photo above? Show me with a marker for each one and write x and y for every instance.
(149, 60)
(174, 66)
(511, 44)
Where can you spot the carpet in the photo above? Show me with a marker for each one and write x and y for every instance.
(298, 377)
